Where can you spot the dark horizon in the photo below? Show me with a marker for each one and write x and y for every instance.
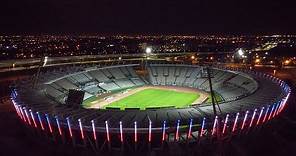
(147, 17)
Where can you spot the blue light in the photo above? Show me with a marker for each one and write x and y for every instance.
(177, 131)
(40, 121)
(202, 126)
(58, 124)
(163, 130)
(48, 122)
(69, 127)
(190, 128)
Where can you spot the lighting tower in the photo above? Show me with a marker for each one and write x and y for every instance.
(213, 98)
(148, 51)
(42, 63)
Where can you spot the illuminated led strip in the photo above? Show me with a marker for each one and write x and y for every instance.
(33, 118)
(94, 129)
(265, 116)
(285, 101)
(260, 115)
(136, 137)
(202, 126)
(40, 121)
(279, 109)
(163, 130)
(18, 111)
(225, 123)
(16, 108)
(215, 125)
(150, 127)
(69, 127)
(22, 113)
(27, 115)
(190, 129)
(48, 122)
(81, 128)
(271, 112)
(253, 117)
(245, 118)
(235, 122)
(177, 130)
(121, 132)
(275, 110)
(107, 131)
(59, 127)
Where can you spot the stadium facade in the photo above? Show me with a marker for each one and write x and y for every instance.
(249, 99)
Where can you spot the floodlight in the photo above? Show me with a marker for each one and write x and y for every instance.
(240, 52)
(148, 50)
(45, 61)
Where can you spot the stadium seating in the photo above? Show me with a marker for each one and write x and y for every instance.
(93, 81)
(229, 85)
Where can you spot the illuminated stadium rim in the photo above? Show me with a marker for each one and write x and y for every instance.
(227, 124)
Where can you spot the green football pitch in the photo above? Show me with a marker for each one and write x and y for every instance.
(155, 98)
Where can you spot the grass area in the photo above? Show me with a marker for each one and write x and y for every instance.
(155, 98)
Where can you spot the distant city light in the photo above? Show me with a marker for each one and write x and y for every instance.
(287, 62)
(257, 61)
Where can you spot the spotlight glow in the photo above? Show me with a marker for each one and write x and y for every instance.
(107, 131)
(27, 115)
(202, 127)
(177, 130)
(225, 124)
(94, 129)
(148, 50)
(150, 127)
(32, 116)
(261, 112)
(265, 116)
(40, 121)
(245, 118)
(253, 116)
(190, 129)
(215, 125)
(163, 131)
(240, 52)
(235, 122)
(48, 122)
(58, 124)
(121, 132)
(81, 128)
(136, 137)
(69, 127)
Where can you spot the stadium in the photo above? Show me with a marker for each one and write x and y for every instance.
(146, 105)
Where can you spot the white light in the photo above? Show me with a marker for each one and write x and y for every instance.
(45, 61)
(240, 52)
(148, 50)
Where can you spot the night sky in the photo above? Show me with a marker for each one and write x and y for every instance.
(147, 16)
